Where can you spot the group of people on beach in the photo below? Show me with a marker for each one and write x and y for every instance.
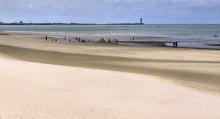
(79, 39)
(75, 39)
(115, 40)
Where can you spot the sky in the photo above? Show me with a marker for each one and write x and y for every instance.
(112, 11)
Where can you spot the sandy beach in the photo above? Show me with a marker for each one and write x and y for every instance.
(52, 80)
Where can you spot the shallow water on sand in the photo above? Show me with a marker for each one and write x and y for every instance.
(195, 36)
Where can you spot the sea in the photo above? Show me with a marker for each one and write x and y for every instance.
(187, 35)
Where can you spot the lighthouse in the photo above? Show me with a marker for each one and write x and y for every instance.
(141, 21)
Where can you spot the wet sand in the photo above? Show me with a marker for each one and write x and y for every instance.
(45, 79)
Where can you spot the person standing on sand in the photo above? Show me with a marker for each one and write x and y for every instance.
(46, 37)
(116, 41)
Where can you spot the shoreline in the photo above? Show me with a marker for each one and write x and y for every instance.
(140, 40)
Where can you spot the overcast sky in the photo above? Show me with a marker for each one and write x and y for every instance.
(109, 11)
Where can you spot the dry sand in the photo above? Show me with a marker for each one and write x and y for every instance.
(50, 80)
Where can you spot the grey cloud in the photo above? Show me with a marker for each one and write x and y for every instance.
(115, 10)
